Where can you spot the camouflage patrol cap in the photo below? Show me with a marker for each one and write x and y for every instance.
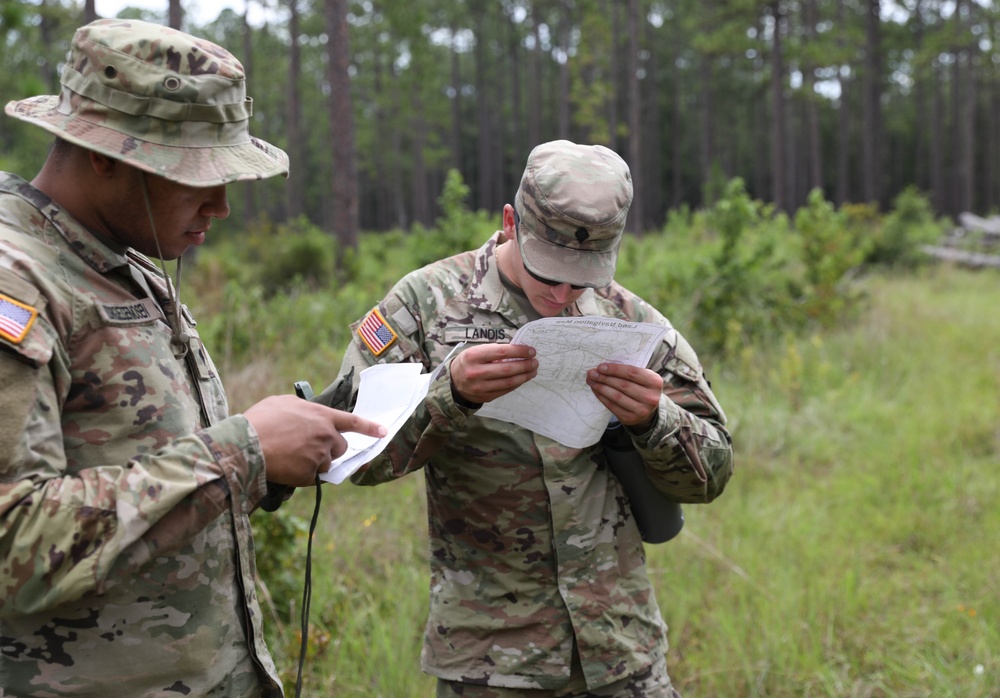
(158, 99)
(572, 202)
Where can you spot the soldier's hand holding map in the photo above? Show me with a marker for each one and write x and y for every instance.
(485, 372)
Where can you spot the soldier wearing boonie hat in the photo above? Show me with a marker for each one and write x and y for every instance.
(125, 485)
(538, 578)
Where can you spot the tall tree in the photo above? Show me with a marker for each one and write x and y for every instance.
(843, 139)
(871, 105)
(920, 97)
(249, 193)
(636, 219)
(676, 112)
(535, 57)
(517, 141)
(46, 26)
(295, 193)
(175, 14)
(761, 173)
(939, 197)
(651, 174)
(778, 131)
(564, 30)
(718, 96)
(484, 152)
(965, 106)
(617, 77)
(815, 149)
(592, 78)
(707, 115)
(991, 105)
(341, 109)
(456, 98)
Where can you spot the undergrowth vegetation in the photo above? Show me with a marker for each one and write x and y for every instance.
(850, 556)
(734, 274)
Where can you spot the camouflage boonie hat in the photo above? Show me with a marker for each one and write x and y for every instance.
(572, 202)
(158, 99)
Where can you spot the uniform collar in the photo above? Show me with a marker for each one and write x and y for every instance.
(98, 251)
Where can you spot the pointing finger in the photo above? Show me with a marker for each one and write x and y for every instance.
(345, 421)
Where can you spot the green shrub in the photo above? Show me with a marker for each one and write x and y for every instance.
(457, 230)
(727, 277)
(897, 241)
(299, 253)
(751, 288)
(832, 251)
(665, 268)
(279, 543)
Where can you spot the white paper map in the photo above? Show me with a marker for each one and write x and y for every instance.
(558, 403)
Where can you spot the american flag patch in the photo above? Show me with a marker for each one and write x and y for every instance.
(15, 319)
(376, 333)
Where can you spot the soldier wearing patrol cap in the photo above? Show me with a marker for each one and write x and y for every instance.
(538, 579)
(126, 560)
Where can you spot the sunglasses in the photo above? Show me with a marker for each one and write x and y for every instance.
(551, 282)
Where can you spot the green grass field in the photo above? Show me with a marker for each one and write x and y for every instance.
(854, 553)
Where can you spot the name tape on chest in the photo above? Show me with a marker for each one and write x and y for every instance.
(16, 319)
(473, 333)
(138, 312)
(376, 333)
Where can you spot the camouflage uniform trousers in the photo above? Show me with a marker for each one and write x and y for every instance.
(654, 682)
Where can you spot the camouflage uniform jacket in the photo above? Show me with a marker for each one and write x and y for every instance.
(532, 544)
(126, 556)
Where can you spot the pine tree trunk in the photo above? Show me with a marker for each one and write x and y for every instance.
(812, 112)
(345, 181)
(175, 14)
(636, 218)
(295, 189)
(779, 130)
(870, 104)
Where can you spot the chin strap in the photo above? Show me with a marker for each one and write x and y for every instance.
(179, 340)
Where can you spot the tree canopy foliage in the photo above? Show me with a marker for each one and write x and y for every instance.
(861, 99)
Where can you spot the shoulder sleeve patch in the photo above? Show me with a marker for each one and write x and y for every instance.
(376, 333)
(16, 318)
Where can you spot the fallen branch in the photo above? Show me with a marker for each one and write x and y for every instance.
(963, 257)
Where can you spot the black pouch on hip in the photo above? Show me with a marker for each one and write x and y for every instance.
(658, 517)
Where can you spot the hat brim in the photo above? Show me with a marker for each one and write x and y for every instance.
(201, 166)
(589, 268)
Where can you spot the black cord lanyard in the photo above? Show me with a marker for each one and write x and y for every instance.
(307, 588)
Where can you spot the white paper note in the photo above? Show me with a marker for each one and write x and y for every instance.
(387, 394)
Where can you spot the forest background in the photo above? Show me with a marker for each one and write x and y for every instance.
(791, 160)
(377, 101)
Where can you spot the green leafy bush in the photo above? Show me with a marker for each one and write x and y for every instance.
(731, 276)
(457, 230)
(897, 241)
(751, 288)
(832, 252)
(279, 542)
